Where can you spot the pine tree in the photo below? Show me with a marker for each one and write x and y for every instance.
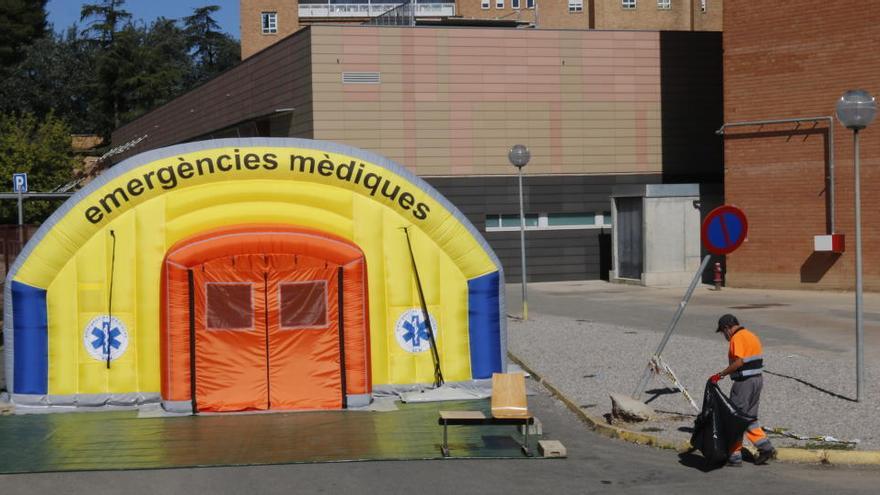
(21, 23)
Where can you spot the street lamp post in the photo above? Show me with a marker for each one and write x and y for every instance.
(855, 110)
(519, 156)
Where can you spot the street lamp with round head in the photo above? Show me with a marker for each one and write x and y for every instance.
(856, 109)
(519, 155)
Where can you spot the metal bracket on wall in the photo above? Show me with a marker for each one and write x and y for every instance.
(825, 118)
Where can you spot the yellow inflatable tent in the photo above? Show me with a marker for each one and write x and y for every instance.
(251, 274)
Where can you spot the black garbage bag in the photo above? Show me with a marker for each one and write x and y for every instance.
(718, 426)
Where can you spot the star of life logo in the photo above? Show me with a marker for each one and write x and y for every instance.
(105, 334)
(411, 331)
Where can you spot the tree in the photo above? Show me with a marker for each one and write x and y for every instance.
(21, 23)
(108, 17)
(42, 149)
(212, 51)
(154, 64)
(54, 77)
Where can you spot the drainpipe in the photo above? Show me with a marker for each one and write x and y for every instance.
(830, 121)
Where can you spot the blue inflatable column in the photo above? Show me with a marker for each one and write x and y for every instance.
(484, 324)
(30, 337)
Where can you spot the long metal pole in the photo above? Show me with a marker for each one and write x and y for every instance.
(832, 209)
(680, 311)
(522, 248)
(860, 337)
(20, 221)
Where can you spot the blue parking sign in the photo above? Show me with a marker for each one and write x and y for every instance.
(19, 183)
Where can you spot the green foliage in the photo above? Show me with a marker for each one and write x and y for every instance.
(21, 23)
(91, 82)
(54, 77)
(41, 148)
(106, 17)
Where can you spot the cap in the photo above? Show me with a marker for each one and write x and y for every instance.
(725, 321)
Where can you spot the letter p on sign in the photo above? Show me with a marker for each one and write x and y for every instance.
(19, 183)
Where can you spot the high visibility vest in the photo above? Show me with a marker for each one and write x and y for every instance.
(746, 346)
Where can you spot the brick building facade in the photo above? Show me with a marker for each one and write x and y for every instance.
(659, 15)
(793, 59)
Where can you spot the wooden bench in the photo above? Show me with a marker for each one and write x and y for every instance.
(509, 407)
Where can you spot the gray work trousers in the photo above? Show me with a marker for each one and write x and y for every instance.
(746, 394)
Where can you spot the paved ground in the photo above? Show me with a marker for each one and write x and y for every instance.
(595, 465)
(593, 338)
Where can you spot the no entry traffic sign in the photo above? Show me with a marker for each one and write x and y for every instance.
(724, 229)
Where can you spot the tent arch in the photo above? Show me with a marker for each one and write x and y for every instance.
(66, 268)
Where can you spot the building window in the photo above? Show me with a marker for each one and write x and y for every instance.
(499, 4)
(664, 4)
(269, 22)
(575, 5)
(549, 221)
(485, 5)
(628, 4)
(514, 4)
(530, 4)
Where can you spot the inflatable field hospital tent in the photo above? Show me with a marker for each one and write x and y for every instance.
(251, 274)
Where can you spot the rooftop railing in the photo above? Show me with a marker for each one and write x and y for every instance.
(372, 9)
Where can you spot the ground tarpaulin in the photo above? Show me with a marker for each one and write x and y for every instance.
(119, 440)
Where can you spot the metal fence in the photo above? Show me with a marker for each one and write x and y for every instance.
(12, 240)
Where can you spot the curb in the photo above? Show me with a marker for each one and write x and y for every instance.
(783, 454)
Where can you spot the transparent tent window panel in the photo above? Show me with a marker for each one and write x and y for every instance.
(229, 306)
(303, 305)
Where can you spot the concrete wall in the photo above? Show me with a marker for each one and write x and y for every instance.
(672, 234)
(795, 59)
(670, 226)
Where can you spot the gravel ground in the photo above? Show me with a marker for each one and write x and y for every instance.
(809, 396)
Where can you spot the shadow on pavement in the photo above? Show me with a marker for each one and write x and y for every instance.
(691, 460)
(657, 392)
(816, 387)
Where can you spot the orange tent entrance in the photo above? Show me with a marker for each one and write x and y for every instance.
(264, 318)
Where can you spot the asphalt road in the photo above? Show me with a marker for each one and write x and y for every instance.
(799, 321)
(595, 465)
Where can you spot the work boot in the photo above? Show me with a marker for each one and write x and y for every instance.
(764, 456)
(735, 460)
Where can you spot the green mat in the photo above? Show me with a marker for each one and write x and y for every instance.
(120, 440)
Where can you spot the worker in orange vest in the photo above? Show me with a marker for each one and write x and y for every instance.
(745, 368)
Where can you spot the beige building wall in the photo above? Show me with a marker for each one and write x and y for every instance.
(682, 15)
(452, 101)
(252, 37)
(550, 14)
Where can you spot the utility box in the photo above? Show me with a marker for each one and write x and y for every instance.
(656, 235)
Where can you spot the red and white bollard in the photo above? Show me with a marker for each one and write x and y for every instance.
(719, 278)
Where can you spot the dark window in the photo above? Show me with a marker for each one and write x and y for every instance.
(229, 306)
(303, 304)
